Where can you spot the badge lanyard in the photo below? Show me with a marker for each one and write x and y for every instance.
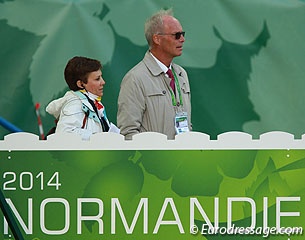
(181, 119)
(179, 91)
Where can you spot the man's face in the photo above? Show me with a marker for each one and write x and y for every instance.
(169, 44)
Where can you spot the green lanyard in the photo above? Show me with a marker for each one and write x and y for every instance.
(179, 91)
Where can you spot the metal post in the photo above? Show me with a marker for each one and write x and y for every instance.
(7, 212)
(9, 126)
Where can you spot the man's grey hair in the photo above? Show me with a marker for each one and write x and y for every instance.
(154, 24)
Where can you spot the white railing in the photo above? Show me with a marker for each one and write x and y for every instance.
(191, 140)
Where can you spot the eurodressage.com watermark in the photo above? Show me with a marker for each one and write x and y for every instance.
(234, 230)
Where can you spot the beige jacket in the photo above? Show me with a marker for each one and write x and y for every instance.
(145, 102)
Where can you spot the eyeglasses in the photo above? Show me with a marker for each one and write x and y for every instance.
(177, 34)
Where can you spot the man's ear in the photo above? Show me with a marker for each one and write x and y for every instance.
(156, 39)
(80, 84)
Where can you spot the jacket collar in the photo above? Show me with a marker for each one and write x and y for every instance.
(84, 100)
(154, 67)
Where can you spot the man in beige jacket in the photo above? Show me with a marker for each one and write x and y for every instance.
(147, 102)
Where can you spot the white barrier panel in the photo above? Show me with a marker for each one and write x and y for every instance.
(190, 140)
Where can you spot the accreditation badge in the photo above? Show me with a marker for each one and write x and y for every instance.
(181, 122)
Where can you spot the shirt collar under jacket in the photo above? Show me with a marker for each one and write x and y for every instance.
(162, 66)
(92, 96)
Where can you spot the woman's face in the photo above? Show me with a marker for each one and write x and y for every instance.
(95, 83)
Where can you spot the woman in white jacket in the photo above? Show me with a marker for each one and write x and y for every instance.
(80, 110)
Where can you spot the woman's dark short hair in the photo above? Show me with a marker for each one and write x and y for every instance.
(78, 68)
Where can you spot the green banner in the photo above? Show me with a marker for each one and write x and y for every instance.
(245, 59)
(155, 194)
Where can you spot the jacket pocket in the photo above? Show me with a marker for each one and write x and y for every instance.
(156, 92)
(185, 88)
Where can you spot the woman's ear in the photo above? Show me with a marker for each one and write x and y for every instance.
(80, 84)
